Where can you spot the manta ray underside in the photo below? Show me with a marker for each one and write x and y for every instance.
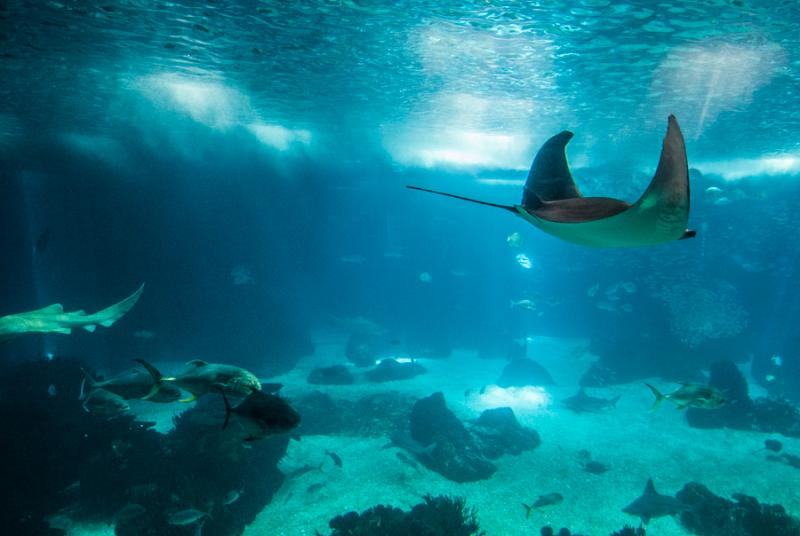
(552, 202)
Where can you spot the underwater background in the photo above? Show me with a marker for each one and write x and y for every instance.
(247, 162)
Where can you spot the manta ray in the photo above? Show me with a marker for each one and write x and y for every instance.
(552, 202)
(53, 319)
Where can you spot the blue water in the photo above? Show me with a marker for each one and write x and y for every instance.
(247, 161)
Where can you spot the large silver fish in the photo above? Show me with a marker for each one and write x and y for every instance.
(202, 378)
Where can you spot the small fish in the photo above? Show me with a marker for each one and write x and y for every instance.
(514, 240)
(691, 395)
(524, 261)
(592, 291)
(773, 444)
(629, 287)
(529, 305)
(144, 334)
(408, 461)
(241, 275)
(231, 497)
(103, 403)
(335, 457)
(352, 259)
(51, 390)
(189, 516)
(777, 360)
(128, 512)
(303, 470)
(43, 241)
(425, 277)
(543, 500)
(583, 403)
(313, 488)
(713, 190)
(594, 467)
(769, 377)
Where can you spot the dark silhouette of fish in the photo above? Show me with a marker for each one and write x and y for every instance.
(42, 241)
(583, 403)
(202, 377)
(335, 457)
(261, 414)
(547, 499)
(691, 395)
(134, 384)
(652, 504)
(551, 200)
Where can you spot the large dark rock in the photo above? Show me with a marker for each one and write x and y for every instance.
(451, 450)
(710, 515)
(523, 371)
(334, 375)
(390, 370)
(498, 432)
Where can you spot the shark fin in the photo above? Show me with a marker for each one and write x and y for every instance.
(549, 178)
(153, 371)
(53, 309)
(90, 327)
(650, 488)
(197, 363)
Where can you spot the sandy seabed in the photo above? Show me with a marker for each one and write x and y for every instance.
(634, 441)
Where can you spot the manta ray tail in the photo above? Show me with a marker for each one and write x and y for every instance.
(504, 207)
(549, 178)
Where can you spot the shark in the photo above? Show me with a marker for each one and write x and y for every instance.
(552, 202)
(584, 403)
(652, 504)
(53, 319)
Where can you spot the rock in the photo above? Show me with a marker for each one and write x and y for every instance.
(522, 372)
(711, 515)
(498, 432)
(390, 370)
(452, 451)
(335, 375)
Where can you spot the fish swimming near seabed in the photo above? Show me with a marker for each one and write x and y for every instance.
(202, 378)
(552, 202)
(53, 319)
(337, 460)
(583, 403)
(261, 414)
(652, 504)
(134, 384)
(543, 500)
(691, 395)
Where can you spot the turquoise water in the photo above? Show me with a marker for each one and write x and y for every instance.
(247, 161)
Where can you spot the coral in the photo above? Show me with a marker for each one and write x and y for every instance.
(436, 516)
(699, 314)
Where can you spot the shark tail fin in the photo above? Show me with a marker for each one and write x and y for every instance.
(528, 510)
(111, 314)
(504, 207)
(615, 400)
(659, 397)
(227, 409)
(87, 379)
